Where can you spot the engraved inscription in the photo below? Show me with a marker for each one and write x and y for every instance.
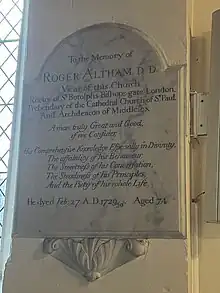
(99, 139)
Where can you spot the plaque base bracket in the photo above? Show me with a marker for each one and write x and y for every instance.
(92, 258)
(198, 114)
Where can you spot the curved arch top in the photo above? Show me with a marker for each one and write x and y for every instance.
(86, 37)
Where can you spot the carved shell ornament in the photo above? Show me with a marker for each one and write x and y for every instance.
(94, 257)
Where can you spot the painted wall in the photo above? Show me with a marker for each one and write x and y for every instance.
(30, 270)
(209, 236)
(164, 269)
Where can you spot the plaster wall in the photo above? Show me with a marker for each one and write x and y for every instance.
(209, 234)
(164, 269)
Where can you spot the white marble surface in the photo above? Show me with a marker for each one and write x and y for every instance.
(99, 130)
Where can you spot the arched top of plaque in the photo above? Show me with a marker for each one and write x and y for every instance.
(92, 46)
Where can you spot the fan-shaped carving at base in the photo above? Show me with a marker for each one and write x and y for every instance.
(93, 258)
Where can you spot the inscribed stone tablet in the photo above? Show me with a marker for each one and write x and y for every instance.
(99, 147)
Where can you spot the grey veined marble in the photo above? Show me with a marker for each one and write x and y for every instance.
(99, 140)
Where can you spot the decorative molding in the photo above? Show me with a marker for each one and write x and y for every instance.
(93, 258)
(137, 247)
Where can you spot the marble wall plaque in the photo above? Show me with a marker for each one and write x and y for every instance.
(99, 140)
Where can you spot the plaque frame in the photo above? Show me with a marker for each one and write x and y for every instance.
(183, 155)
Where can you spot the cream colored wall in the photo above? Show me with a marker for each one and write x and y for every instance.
(30, 271)
(209, 250)
(164, 269)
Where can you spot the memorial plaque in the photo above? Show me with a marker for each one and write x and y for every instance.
(99, 140)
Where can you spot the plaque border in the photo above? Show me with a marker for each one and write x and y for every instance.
(183, 151)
